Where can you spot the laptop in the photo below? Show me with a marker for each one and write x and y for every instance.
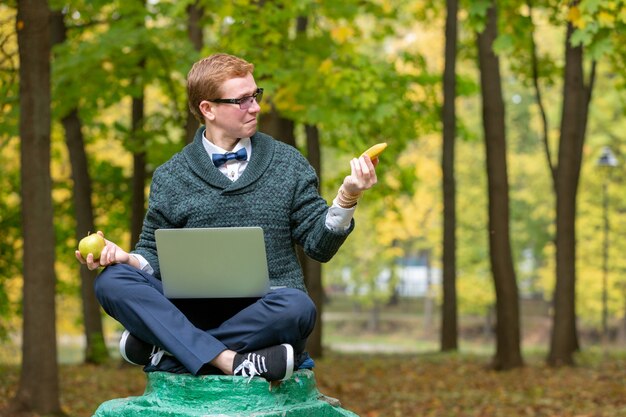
(225, 262)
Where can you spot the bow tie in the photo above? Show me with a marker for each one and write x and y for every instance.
(220, 159)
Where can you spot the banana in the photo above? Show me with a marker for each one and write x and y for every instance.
(375, 150)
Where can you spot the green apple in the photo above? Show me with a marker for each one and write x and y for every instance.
(92, 243)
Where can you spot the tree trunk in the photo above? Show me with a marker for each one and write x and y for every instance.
(576, 99)
(373, 324)
(508, 353)
(312, 268)
(449, 326)
(195, 13)
(138, 184)
(429, 298)
(539, 98)
(38, 389)
(95, 348)
(138, 148)
(278, 127)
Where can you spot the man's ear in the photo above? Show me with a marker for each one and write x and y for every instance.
(206, 108)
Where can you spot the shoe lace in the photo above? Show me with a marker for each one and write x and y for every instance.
(252, 366)
(156, 355)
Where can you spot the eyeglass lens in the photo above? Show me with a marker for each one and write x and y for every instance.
(247, 101)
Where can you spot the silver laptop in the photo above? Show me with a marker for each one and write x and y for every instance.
(213, 262)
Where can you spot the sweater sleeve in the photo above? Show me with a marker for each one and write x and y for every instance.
(156, 218)
(308, 217)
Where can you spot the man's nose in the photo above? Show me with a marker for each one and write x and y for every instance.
(255, 107)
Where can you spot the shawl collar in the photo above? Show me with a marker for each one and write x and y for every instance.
(263, 148)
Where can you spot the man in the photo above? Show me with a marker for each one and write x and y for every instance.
(231, 175)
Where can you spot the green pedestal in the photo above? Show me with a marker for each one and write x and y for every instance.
(176, 395)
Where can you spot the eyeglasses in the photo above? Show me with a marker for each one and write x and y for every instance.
(244, 102)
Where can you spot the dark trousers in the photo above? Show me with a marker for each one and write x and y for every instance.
(195, 331)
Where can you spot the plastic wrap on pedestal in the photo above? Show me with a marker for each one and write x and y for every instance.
(184, 395)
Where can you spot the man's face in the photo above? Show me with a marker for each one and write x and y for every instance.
(230, 120)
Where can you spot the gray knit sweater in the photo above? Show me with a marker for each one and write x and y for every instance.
(277, 192)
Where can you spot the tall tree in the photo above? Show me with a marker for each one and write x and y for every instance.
(574, 116)
(595, 31)
(95, 347)
(195, 13)
(138, 145)
(508, 352)
(312, 268)
(449, 326)
(38, 388)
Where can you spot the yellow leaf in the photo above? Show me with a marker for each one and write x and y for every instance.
(576, 17)
(387, 6)
(573, 14)
(606, 19)
(285, 99)
(326, 66)
(341, 34)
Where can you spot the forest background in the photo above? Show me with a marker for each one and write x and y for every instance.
(339, 77)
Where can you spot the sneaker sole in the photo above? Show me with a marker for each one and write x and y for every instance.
(123, 344)
(290, 361)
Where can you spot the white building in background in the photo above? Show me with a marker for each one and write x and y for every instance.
(415, 278)
(413, 275)
(415, 281)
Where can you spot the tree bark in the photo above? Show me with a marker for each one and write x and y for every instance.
(449, 326)
(508, 353)
(312, 268)
(138, 182)
(539, 98)
(576, 99)
(95, 348)
(38, 389)
(195, 13)
(138, 148)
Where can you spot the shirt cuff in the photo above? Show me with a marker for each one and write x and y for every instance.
(143, 264)
(338, 218)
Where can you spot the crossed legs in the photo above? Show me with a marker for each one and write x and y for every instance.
(197, 336)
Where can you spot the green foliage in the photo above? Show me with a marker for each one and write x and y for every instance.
(600, 26)
(366, 271)
(10, 210)
(356, 75)
(323, 76)
(9, 77)
(477, 11)
(11, 230)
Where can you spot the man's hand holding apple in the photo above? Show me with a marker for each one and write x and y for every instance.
(94, 255)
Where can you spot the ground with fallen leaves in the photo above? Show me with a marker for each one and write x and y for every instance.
(373, 385)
